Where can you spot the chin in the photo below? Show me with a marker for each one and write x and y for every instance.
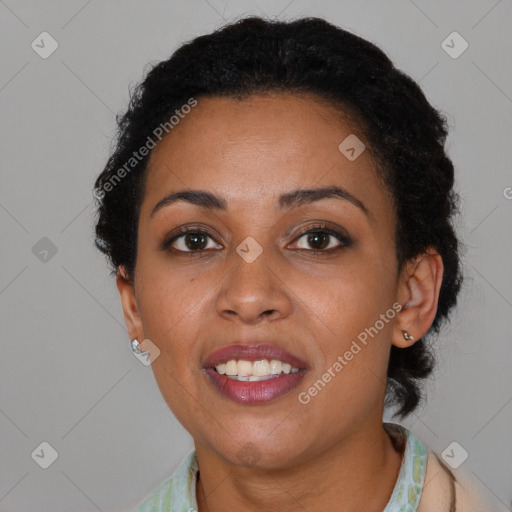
(260, 453)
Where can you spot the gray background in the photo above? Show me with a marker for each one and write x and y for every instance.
(68, 376)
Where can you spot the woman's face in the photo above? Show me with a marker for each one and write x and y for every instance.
(252, 277)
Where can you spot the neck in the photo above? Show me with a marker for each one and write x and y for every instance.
(338, 479)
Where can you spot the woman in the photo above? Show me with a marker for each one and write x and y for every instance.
(278, 215)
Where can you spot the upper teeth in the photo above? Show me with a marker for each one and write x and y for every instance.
(261, 368)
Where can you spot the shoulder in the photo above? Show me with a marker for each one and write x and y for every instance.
(176, 493)
(160, 495)
(427, 484)
(446, 489)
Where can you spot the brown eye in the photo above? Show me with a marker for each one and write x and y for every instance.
(191, 241)
(319, 240)
(322, 240)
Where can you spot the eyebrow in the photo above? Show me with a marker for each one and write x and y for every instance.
(292, 199)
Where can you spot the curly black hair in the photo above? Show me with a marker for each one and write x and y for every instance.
(252, 55)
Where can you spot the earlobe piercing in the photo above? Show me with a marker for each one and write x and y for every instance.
(407, 336)
(136, 346)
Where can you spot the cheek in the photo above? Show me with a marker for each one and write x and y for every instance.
(171, 305)
(344, 313)
(351, 297)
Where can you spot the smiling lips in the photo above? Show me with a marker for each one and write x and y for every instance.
(254, 374)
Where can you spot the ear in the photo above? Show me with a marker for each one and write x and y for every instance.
(418, 293)
(129, 303)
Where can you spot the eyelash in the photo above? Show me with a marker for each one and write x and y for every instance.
(319, 228)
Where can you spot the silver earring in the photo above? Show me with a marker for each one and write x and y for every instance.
(136, 346)
(407, 336)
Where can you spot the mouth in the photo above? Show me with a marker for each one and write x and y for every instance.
(254, 374)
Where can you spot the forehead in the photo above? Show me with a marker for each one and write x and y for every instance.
(262, 145)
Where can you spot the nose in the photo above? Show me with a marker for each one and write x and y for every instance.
(255, 291)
